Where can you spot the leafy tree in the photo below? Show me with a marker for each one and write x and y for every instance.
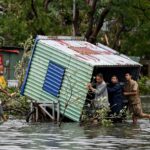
(121, 24)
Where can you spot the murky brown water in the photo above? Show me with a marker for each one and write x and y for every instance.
(17, 135)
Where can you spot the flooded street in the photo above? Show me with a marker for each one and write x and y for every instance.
(18, 135)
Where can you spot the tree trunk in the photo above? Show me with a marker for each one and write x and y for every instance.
(92, 38)
(33, 8)
(75, 19)
(117, 37)
(115, 44)
(91, 19)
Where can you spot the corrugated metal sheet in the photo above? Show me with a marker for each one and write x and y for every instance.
(73, 89)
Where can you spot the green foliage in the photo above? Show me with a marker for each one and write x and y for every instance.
(91, 115)
(20, 68)
(17, 105)
(102, 116)
(20, 19)
(144, 85)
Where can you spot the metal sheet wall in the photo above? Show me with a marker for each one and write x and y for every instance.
(77, 75)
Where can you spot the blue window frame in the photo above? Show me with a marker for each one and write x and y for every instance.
(53, 78)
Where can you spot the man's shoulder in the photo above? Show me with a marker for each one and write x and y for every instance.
(103, 83)
(119, 85)
(133, 82)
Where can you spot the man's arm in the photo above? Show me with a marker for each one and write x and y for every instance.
(134, 90)
(113, 89)
(4, 91)
(98, 91)
(130, 93)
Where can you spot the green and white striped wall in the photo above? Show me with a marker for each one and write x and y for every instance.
(77, 75)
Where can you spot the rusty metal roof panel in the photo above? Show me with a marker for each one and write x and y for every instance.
(95, 55)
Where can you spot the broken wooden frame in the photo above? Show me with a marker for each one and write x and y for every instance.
(53, 115)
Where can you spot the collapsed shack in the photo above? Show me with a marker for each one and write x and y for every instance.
(61, 67)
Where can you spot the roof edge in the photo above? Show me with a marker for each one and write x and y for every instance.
(41, 37)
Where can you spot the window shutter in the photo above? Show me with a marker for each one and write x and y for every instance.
(53, 79)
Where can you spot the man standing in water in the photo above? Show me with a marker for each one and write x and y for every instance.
(115, 92)
(131, 91)
(101, 94)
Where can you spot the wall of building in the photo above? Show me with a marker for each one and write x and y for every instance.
(10, 60)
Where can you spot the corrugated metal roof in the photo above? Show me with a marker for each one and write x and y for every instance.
(94, 55)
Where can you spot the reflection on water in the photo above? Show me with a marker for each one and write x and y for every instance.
(16, 134)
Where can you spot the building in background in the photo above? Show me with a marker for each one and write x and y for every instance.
(9, 57)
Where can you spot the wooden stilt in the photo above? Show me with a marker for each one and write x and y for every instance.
(36, 114)
(53, 110)
(58, 112)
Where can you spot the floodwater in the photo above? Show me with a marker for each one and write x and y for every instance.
(18, 135)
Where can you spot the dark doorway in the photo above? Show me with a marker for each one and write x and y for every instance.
(120, 72)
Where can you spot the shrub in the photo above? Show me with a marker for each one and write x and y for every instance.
(144, 85)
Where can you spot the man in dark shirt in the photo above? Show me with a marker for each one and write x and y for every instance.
(115, 92)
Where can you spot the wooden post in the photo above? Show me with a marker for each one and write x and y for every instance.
(53, 110)
(31, 106)
(36, 114)
(31, 109)
(58, 112)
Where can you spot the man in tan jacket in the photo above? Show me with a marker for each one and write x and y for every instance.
(131, 91)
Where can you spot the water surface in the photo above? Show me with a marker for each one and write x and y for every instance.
(18, 135)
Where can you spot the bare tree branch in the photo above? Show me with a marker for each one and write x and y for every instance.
(75, 19)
